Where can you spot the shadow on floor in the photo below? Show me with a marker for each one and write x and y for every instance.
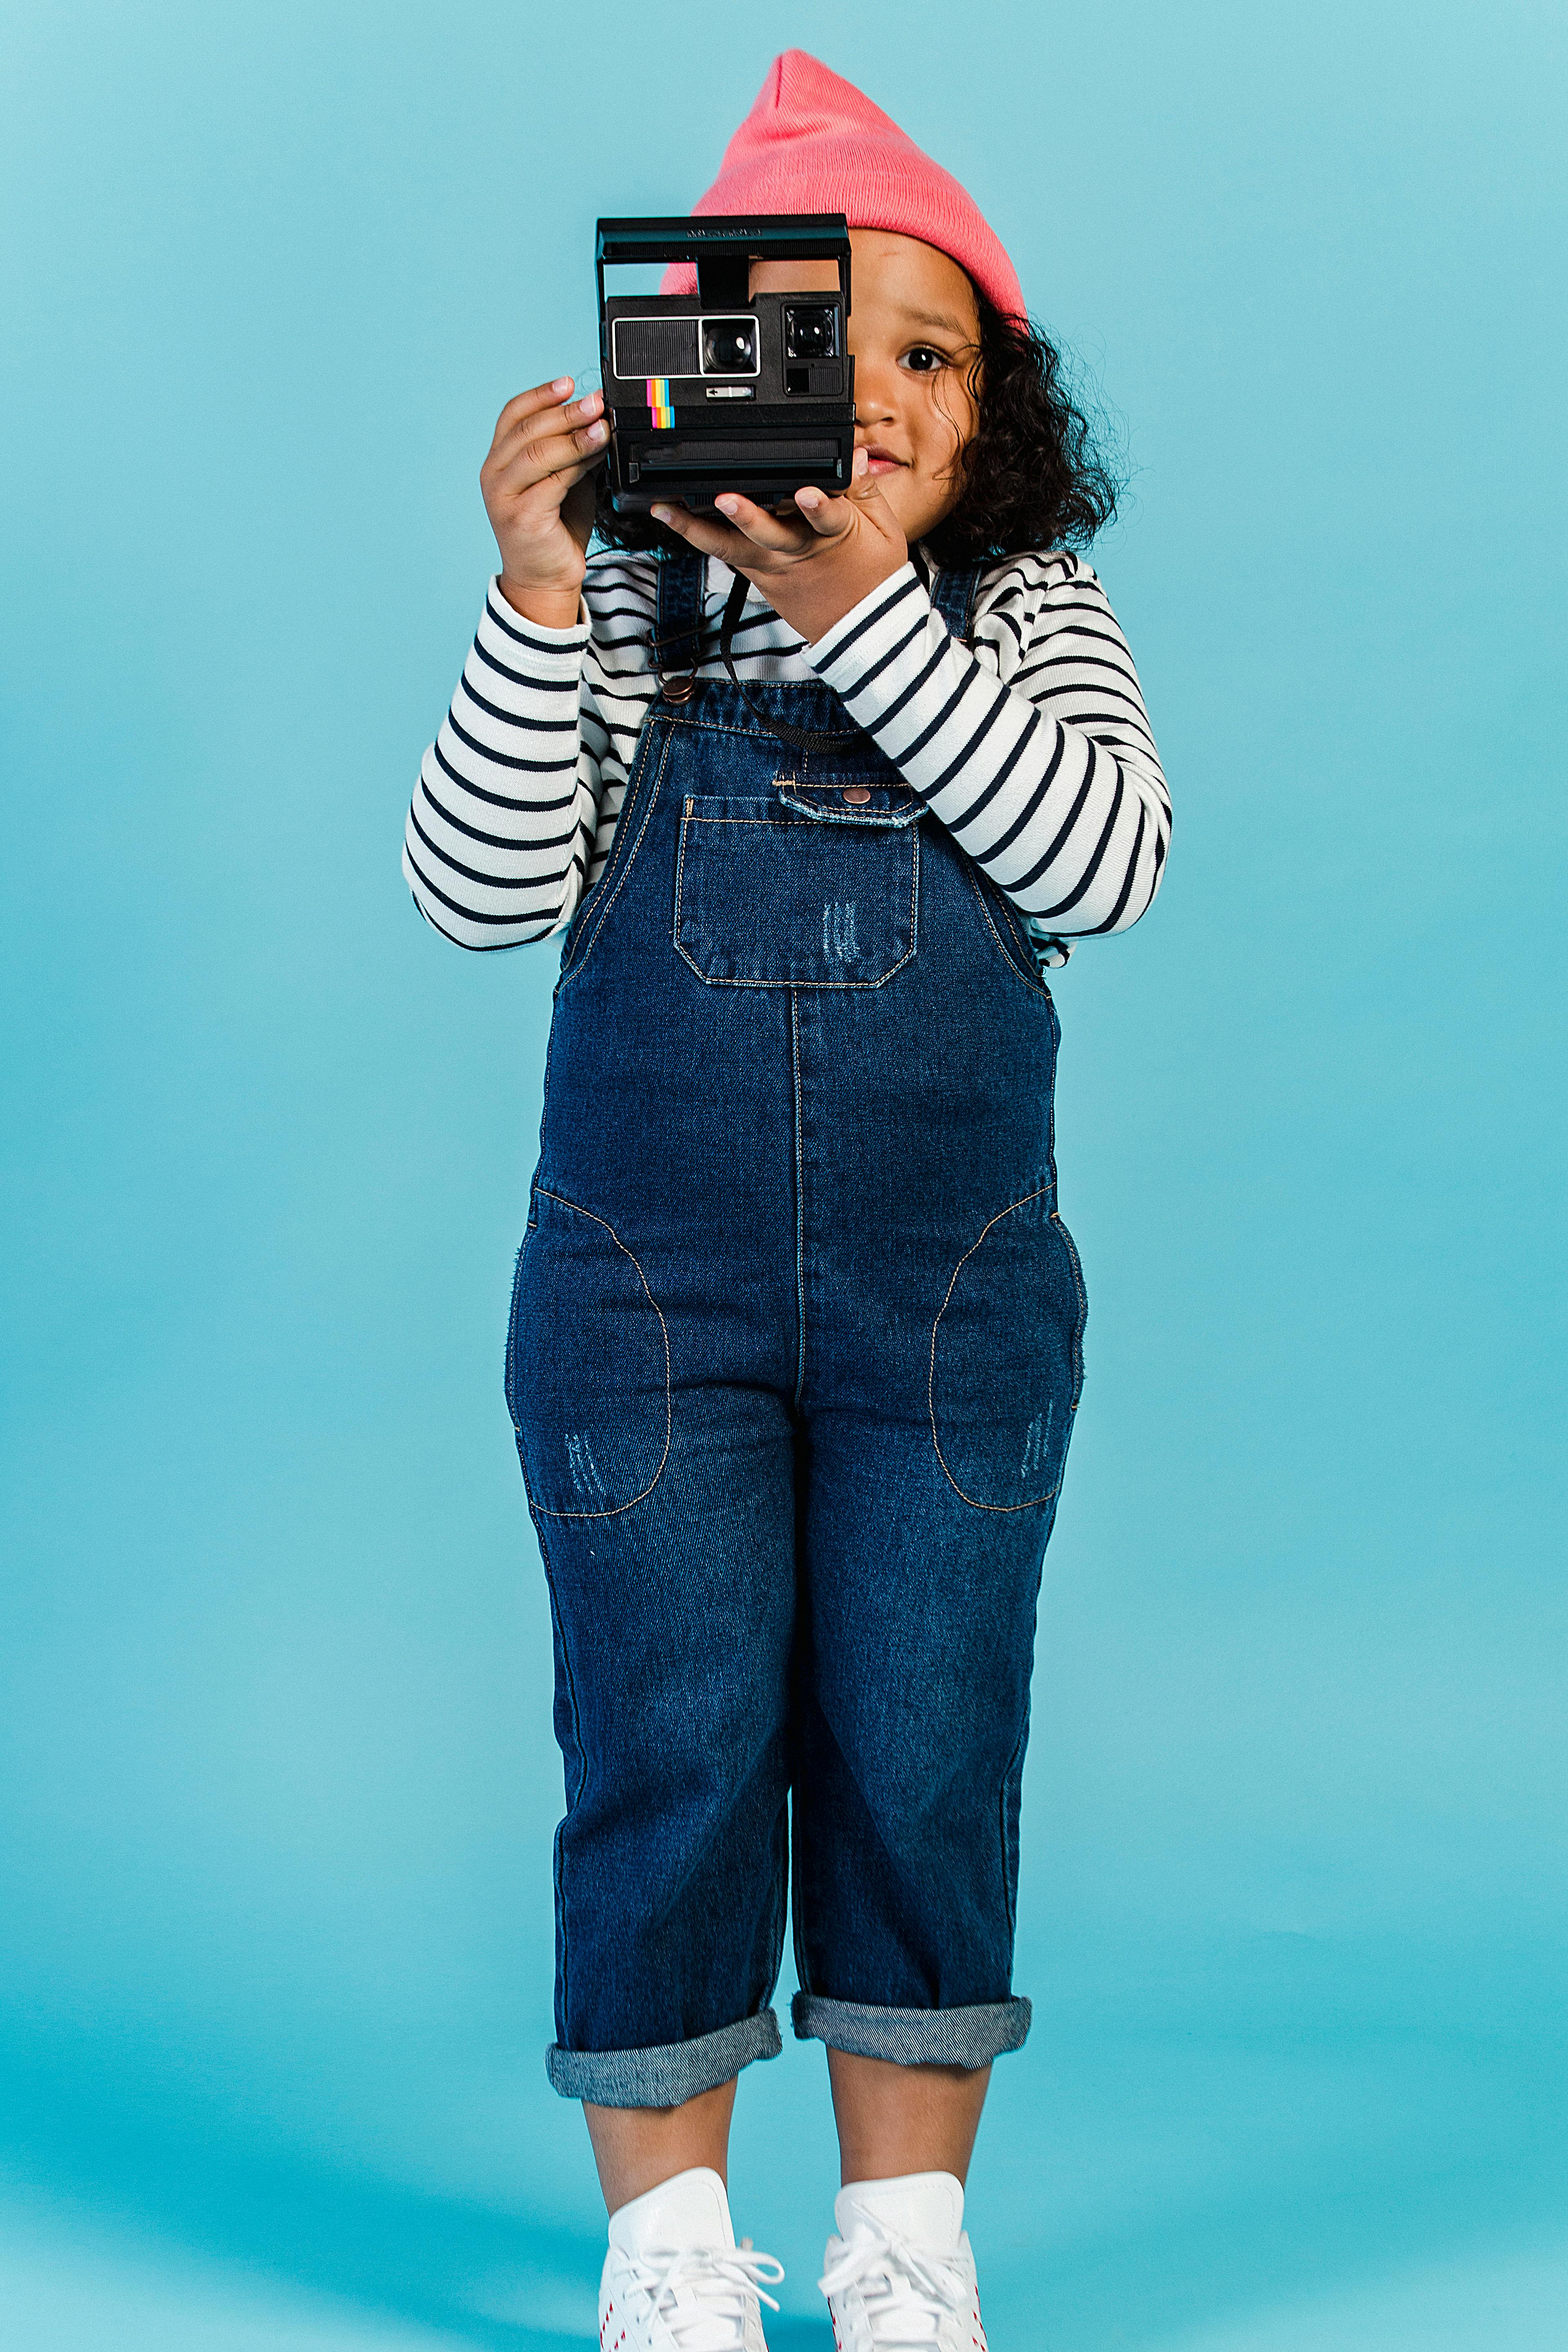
(1135, 2186)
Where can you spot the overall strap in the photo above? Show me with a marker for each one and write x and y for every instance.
(676, 641)
(805, 738)
(953, 594)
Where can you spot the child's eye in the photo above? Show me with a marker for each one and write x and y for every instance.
(923, 360)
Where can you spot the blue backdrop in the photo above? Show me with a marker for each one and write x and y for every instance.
(275, 1771)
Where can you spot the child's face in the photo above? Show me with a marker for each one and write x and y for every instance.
(914, 331)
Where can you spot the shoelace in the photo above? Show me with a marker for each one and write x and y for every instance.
(721, 2277)
(917, 2292)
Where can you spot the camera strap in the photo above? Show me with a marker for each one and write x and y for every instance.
(675, 648)
(803, 738)
(676, 641)
(953, 594)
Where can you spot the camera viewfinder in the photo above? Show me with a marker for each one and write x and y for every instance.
(810, 333)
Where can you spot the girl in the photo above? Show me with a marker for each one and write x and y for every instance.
(795, 1333)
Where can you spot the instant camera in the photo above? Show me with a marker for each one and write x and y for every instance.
(722, 390)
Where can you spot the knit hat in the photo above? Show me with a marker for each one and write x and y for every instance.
(814, 144)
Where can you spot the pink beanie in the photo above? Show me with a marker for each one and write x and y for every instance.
(814, 144)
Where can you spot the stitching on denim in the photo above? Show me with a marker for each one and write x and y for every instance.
(878, 821)
(791, 824)
(511, 1380)
(798, 1905)
(1020, 939)
(811, 802)
(680, 871)
(1033, 1501)
(1074, 1261)
(877, 824)
(568, 977)
(682, 717)
(544, 1079)
(587, 910)
(799, 1200)
(558, 1858)
(1036, 986)
(616, 1509)
(1008, 1904)
(840, 780)
(623, 830)
(714, 980)
(780, 1900)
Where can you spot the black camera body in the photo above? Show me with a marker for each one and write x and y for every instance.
(718, 390)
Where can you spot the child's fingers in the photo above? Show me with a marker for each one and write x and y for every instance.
(564, 450)
(564, 416)
(709, 538)
(862, 501)
(564, 476)
(779, 535)
(829, 518)
(539, 460)
(527, 403)
(686, 525)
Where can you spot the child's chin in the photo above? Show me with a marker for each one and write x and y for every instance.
(915, 514)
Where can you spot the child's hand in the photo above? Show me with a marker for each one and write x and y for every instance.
(540, 500)
(813, 567)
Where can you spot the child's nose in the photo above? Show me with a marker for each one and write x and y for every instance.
(873, 391)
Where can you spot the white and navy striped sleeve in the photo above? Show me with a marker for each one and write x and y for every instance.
(1034, 749)
(502, 823)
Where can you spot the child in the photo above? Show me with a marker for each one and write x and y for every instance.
(796, 1335)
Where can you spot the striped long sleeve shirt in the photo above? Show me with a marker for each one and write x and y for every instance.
(1031, 744)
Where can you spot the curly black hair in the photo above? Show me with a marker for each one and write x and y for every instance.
(1034, 474)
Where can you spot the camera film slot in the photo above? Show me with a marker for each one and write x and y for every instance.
(777, 456)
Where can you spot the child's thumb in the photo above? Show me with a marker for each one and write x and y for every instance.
(866, 492)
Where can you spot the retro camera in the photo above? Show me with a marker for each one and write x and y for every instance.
(724, 389)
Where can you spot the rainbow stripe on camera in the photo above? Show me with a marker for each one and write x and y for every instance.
(659, 400)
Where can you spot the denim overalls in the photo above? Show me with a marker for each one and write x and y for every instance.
(794, 1351)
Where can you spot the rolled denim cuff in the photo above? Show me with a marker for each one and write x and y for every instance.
(914, 2037)
(668, 2071)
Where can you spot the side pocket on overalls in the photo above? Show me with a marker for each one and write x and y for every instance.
(512, 1337)
(589, 1381)
(1006, 1360)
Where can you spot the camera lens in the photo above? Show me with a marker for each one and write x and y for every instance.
(729, 347)
(809, 334)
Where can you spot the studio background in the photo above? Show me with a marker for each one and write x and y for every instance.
(276, 1783)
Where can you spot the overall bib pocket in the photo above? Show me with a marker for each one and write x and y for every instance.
(813, 887)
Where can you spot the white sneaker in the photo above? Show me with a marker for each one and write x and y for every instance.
(900, 2277)
(675, 2280)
